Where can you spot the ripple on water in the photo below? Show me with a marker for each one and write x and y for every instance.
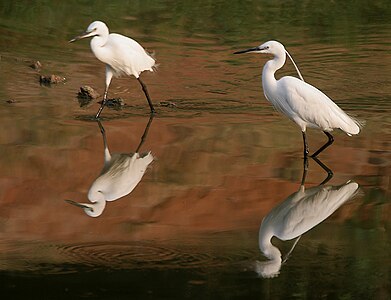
(144, 255)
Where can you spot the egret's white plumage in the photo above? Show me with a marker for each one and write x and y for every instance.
(301, 102)
(296, 215)
(120, 174)
(122, 55)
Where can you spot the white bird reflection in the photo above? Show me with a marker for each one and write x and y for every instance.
(296, 215)
(120, 175)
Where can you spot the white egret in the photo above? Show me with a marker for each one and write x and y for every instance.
(121, 173)
(301, 102)
(297, 214)
(122, 56)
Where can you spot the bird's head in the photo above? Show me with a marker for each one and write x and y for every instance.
(271, 47)
(94, 209)
(96, 28)
(267, 269)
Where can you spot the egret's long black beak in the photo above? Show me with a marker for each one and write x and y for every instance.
(78, 204)
(85, 34)
(248, 50)
(79, 37)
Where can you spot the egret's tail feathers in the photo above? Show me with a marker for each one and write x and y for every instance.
(154, 67)
(148, 157)
(152, 55)
(352, 125)
(144, 63)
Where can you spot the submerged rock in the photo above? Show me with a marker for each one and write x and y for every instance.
(51, 79)
(36, 65)
(83, 101)
(87, 92)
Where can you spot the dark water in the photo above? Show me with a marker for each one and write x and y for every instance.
(223, 158)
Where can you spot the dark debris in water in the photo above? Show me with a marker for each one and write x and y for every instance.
(168, 104)
(10, 101)
(51, 79)
(88, 118)
(114, 102)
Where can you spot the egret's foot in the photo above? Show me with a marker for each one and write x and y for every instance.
(327, 144)
(330, 173)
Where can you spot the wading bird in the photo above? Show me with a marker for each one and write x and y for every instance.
(301, 102)
(122, 56)
(296, 215)
(120, 175)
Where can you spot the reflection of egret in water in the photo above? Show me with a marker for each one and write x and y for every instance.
(299, 213)
(120, 175)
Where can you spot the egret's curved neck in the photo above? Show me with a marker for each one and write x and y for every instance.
(98, 203)
(267, 248)
(99, 40)
(272, 66)
(95, 195)
(96, 208)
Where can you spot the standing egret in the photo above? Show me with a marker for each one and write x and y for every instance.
(297, 214)
(301, 102)
(121, 173)
(122, 56)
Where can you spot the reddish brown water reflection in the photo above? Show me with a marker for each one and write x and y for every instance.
(208, 177)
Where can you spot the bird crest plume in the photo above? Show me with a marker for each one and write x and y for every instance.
(297, 69)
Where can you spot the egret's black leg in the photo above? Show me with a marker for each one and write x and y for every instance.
(290, 251)
(144, 136)
(306, 150)
(105, 146)
(328, 143)
(144, 87)
(103, 132)
(305, 169)
(330, 173)
(102, 129)
(109, 76)
(102, 105)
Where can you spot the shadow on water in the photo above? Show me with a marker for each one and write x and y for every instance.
(296, 215)
(120, 175)
(180, 109)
